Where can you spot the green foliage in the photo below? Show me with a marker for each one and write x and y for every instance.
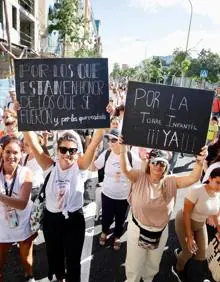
(157, 71)
(116, 72)
(67, 17)
(87, 53)
(206, 61)
(181, 62)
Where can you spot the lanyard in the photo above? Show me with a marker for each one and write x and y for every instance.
(7, 191)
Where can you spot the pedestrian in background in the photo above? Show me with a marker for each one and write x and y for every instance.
(212, 131)
(115, 190)
(38, 175)
(216, 105)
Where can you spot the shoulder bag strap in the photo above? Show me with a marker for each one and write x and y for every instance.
(42, 193)
(107, 154)
(7, 191)
(25, 160)
(130, 157)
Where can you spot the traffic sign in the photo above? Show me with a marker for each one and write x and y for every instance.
(204, 73)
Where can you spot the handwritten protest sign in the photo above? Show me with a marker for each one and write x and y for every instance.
(62, 93)
(165, 117)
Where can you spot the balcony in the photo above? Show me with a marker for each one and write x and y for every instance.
(26, 39)
(27, 5)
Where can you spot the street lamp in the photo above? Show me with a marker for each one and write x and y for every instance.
(187, 40)
(190, 22)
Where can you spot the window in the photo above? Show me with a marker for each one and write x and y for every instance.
(14, 17)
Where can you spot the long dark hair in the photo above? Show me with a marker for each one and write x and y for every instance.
(12, 140)
(217, 158)
(215, 173)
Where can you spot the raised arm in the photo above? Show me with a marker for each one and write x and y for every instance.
(130, 173)
(194, 176)
(43, 159)
(19, 203)
(85, 160)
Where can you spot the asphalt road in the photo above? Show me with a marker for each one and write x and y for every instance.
(103, 264)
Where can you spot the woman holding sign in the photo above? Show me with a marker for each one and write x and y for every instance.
(152, 199)
(64, 224)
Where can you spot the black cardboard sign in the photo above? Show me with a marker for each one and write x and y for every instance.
(166, 117)
(62, 93)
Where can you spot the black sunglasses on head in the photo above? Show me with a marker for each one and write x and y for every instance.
(161, 163)
(64, 150)
(113, 140)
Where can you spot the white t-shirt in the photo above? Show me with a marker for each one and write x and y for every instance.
(64, 190)
(209, 170)
(205, 205)
(38, 174)
(115, 184)
(22, 231)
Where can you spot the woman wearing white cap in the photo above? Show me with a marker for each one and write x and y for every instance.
(64, 223)
(152, 199)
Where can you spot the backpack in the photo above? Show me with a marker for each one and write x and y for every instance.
(101, 172)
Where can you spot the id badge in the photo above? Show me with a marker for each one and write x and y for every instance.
(12, 218)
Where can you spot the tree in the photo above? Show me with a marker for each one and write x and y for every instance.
(116, 71)
(67, 18)
(181, 62)
(206, 61)
(128, 73)
(156, 70)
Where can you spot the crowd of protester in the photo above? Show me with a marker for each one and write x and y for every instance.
(136, 183)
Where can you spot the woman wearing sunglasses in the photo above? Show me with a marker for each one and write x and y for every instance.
(64, 224)
(152, 199)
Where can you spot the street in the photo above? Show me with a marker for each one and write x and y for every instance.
(103, 264)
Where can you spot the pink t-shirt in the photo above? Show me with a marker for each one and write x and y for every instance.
(152, 206)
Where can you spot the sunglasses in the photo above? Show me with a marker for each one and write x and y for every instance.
(112, 140)
(161, 163)
(64, 150)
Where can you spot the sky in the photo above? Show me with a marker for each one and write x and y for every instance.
(132, 30)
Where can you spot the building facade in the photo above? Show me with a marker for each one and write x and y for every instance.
(92, 26)
(27, 25)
